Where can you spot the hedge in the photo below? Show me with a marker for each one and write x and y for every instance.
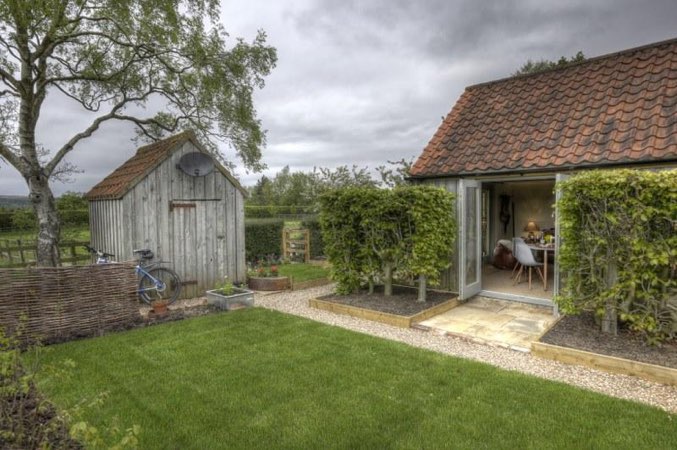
(371, 235)
(315, 231)
(263, 237)
(271, 211)
(619, 249)
(24, 218)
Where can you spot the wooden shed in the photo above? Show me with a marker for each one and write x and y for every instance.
(175, 199)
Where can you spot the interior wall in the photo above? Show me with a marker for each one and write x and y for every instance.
(533, 200)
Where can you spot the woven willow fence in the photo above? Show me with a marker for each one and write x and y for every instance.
(61, 303)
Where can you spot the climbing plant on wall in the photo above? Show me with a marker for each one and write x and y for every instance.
(619, 249)
(371, 235)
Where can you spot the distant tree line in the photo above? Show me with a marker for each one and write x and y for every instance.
(297, 192)
(544, 64)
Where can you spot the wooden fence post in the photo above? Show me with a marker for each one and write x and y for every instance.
(21, 251)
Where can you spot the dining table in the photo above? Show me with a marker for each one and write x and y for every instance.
(545, 248)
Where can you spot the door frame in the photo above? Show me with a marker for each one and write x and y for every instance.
(498, 294)
(467, 290)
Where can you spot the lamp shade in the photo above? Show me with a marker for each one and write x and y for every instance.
(531, 227)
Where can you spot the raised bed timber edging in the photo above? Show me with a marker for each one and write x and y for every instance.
(651, 372)
(378, 316)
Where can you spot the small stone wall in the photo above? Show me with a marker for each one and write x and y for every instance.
(53, 304)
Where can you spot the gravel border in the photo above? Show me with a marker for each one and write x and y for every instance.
(620, 386)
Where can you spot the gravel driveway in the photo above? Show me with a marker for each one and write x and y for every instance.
(621, 386)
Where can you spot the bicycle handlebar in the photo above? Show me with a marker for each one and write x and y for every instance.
(97, 252)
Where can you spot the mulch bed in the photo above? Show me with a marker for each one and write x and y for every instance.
(582, 333)
(402, 302)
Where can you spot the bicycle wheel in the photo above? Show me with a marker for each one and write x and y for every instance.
(159, 283)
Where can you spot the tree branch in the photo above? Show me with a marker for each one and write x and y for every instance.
(7, 154)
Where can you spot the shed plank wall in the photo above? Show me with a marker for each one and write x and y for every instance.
(204, 243)
(106, 232)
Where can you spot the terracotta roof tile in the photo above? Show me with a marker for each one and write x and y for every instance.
(619, 107)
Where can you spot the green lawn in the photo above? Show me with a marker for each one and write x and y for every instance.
(261, 379)
(303, 272)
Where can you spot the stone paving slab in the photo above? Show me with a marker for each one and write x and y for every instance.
(498, 321)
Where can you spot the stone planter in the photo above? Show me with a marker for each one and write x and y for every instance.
(240, 298)
(268, 283)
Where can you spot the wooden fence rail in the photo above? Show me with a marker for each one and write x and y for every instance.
(22, 253)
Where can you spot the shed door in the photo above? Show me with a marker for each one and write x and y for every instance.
(185, 239)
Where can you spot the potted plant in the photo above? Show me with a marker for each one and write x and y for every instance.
(226, 295)
(266, 277)
(160, 307)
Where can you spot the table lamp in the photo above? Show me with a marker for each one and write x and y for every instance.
(531, 228)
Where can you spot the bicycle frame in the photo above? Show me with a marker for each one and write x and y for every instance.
(159, 286)
(139, 270)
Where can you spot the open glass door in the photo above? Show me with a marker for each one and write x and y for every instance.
(470, 267)
(558, 240)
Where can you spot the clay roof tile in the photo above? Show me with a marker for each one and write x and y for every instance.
(618, 107)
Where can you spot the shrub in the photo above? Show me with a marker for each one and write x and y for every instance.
(74, 217)
(619, 249)
(27, 420)
(24, 219)
(5, 219)
(263, 237)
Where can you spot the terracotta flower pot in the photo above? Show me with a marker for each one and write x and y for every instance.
(160, 307)
(268, 283)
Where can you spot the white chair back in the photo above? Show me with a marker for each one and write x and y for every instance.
(523, 253)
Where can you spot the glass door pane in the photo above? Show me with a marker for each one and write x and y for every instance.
(472, 240)
(470, 276)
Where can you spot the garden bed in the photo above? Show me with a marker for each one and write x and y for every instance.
(578, 340)
(401, 309)
(581, 332)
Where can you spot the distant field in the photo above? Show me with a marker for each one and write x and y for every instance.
(14, 201)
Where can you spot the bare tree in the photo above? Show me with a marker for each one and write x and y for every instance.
(111, 58)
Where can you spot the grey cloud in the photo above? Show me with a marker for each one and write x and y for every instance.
(363, 82)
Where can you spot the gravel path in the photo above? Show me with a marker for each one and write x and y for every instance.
(621, 386)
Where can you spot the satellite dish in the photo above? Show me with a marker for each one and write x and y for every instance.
(196, 164)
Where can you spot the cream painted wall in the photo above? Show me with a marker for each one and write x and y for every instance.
(533, 200)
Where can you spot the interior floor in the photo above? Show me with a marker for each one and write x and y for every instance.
(498, 280)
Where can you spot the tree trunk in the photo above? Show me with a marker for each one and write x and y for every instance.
(388, 279)
(371, 285)
(610, 319)
(422, 282)
(44, 207)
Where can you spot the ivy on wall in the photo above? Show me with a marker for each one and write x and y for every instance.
(619, 249)
(371, 235)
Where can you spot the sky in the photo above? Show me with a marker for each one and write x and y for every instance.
(366, 82)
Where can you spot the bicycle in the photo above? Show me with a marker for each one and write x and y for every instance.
(156, 282)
